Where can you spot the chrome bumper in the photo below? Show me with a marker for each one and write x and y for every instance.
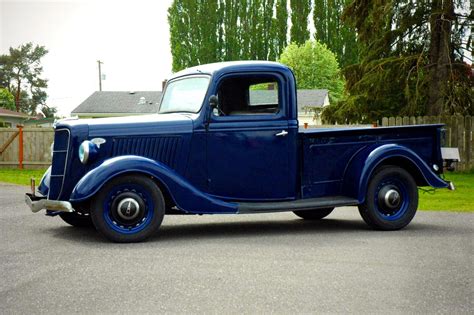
(39, 203)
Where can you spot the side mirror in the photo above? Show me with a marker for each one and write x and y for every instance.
(213, 101)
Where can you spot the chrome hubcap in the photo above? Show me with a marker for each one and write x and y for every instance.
(128, 209)
(390, 198)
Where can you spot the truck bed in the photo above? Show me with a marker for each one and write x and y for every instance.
(325, 153)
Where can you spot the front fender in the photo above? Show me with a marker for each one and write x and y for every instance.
(43, 187)
(185, 196)
(356, 178)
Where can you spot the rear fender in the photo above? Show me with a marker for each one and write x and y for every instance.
(185, 196)
(366, 161)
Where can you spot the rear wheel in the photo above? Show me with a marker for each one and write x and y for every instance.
(392, 199)
(316, 214)
(129, 208)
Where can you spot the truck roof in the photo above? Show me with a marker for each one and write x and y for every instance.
(231, 66)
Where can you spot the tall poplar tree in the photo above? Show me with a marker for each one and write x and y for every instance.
(194, 32)
(300, 10)
(208, 31)
(280, 26)
(232, 10)
(330, 30)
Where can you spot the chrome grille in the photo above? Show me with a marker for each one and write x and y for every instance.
(59, 163)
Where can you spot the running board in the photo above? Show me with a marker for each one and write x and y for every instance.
(301, 204)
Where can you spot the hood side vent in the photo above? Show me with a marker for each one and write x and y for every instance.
(161, 149)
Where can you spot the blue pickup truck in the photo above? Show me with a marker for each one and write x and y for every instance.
(226, 141)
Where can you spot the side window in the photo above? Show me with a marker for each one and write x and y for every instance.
(253, 95)
(263, 97)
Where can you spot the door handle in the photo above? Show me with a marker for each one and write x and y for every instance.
(282, 133)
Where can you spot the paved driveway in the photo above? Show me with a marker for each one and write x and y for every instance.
(236, 264)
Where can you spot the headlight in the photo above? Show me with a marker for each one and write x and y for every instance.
(84, 152)
(87, 151)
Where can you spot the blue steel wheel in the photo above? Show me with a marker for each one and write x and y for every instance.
(392, 199)
(128, 208)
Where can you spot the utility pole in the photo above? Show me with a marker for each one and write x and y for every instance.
(100, 75)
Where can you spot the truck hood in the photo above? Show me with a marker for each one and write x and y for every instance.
(132, 125)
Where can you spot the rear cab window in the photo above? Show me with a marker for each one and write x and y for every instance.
(248, 95)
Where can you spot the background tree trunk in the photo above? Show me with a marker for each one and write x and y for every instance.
(440, 55)
(17, 95)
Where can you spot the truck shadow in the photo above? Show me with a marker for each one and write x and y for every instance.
(238, 229)
(257, 228)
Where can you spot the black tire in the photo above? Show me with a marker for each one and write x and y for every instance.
(128, 208)
(316, 214)
(76, 219)
(391, 200)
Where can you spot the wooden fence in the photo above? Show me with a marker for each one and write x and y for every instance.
(459, 131)
(36, 147)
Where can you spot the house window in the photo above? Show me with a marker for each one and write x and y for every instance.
(252, 95)
(7, 124)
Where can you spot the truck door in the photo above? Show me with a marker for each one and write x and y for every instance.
(248, 139)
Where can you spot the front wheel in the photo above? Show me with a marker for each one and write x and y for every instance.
(128, 208)
(391, 200)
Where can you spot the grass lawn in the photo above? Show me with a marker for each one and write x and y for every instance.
(460, 200)
(20, 177)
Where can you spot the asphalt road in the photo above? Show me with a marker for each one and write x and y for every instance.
(272, 263)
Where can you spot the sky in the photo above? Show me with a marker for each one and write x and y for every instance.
(131, 38)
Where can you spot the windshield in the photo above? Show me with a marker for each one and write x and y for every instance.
(184, 95)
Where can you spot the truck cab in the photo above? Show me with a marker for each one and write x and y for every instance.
(226, 140)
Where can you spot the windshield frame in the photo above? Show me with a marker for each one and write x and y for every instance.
(186, 77)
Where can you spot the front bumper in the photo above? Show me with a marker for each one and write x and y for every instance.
(39, 203)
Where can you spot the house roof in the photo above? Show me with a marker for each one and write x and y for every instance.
(9, 113)
(118, 102)
(115, 102)
(311, 98)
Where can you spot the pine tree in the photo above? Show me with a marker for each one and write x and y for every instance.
(411, 61)
(21, 72)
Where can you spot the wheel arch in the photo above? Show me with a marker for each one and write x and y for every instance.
(407, 165)
(168, 197)
(356, 178)
(176, 190)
